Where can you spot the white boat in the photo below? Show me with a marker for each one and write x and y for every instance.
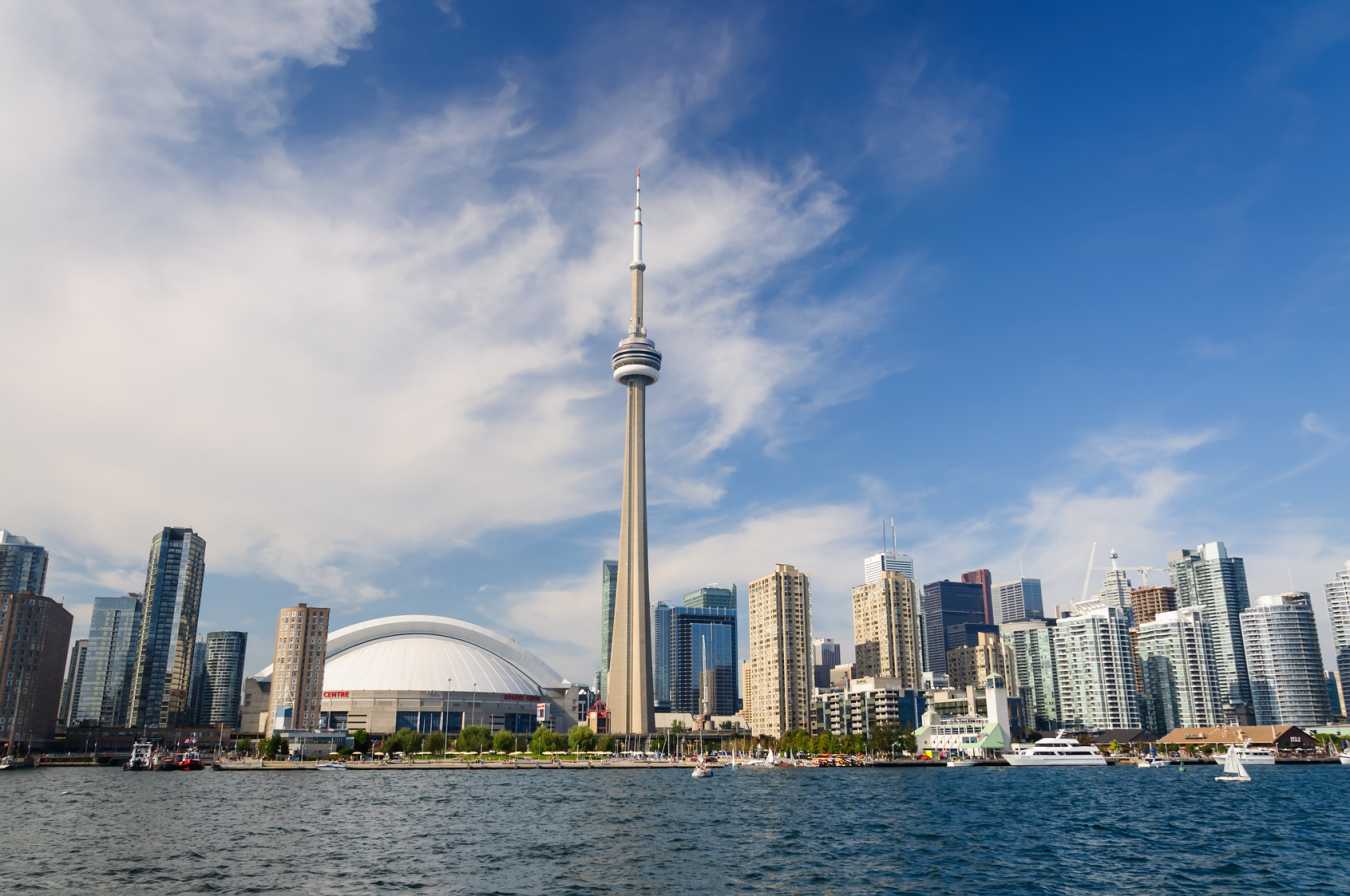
(960, 762)
(1345, 759)
(1248, 754)
(141, 752)
(332, 766)
(1233, 770)
(768, 760)
(702, 770)
(1152, 762)
(1057, 750)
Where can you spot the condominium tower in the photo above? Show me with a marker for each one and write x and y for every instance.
(1208, 578)
(888, 630)
(297, 668)
(1181, 682)
(1284, 661)
(34, 637)
(173, 596)
(1338, 606)
(224, 678)
(661, 654)
(23, 565)
(70, 689)
(1094, 669)
(780, 652)
(1148, 601)
(114, 639)
(1033, 651)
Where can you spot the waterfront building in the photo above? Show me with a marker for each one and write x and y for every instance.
(703, 661)
(1180, 679)
(887, 561)
(867, 704)
(824, 657)
(976, 662)
(1018, 600)
(1208, 578)
(712, 597)
(1284, 738)
(114, 639)
(1284, 660)
(637, 365)
(1148, 601)
(1333, 682)
(70, 689)
(985, 580)
(1338, 606)
(1094, 669)
(298, 668)
(1033, 655)
(887, 629)
(173, 596)
(23, 565)
(973, 721)
(34, 637)
(609, 583)
(947, 604)
(780, 652)
(661, 647)
(224, 678)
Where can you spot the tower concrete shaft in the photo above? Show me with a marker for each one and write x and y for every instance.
(636, 365)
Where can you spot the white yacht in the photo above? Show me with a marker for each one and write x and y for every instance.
(1057, 750)
(1248, 754)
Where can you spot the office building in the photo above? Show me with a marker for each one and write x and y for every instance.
(661, 646)
(1094, 670)
(23, 565)
(712, 597)
(824, 657)
(70, 689)
(1033, 655)
(985, 580)
(1018, 600)
(948, 605)
(1180, 679)
(173, 597)
(114, 639)
(636, 365)
(887, 561)
(887, 630)
(1338, 607)
(1149, 600)
(865, 705)
(34, 639)
(703, 650)
(1208, 578)
(609, 583)
(297, 668)
(780, 652)
(224, 678)
(1284, 661)
(975, 662)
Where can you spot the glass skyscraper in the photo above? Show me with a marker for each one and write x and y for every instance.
(23, 565)
(173, 596)
(947, 606)
(661, 654)
(114, 639)
(712, 597)
(1208, 578)
(224, 678)
(703, 660)
(609, 586)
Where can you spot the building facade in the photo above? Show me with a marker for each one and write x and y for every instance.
(70, 689)
(34, 638)
(224, 678)
(1338, 606)
(985, 580)
(1180, 679)
(173, 597)
(1094, 670)
(297, 668)
(1033, 655)
(609, 582)
(114, 639)
(1284, 661)
(973, 664)
(661, 647)
(1208, 578)
(1150, 600)
(780, 652)
(888, 630)
(887, 561)
(824, 657)
(865, 705)
(947, 604)
(712, 597)
(23, 565)
(703, 679)
(1018, 600)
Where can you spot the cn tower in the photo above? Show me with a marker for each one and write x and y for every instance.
(637, 364)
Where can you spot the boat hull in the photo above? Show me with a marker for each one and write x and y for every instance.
(1248, 758)
(1021, 761)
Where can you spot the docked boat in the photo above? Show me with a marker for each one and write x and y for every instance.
(1233, 770)
(141, 752)
(1248, 754)
(702, 770)
(1151, 759)
(960, 762)
(191, 761)
(1056, 751)
(10, 763)
(331, 766)
(1345, 759)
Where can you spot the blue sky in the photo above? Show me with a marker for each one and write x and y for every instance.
(337, 284)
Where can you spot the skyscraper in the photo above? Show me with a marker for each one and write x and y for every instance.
(1116, 587)
(297, 668)
(637, 364)
(1181, 682)
(1338, 606)
(947, 604)
(224, 678)
(34, 636)
(712, 597)
(1033, 649)
(196, 686)
(1147, 601)
(824, 657)
(972, 664)
(887, 630)
(1018, 600)
(703, 660)
(661, 653)
(1208, 578)
(114, 639)
(1284, 661)
(1094, 669)
(173, 597)
(609, 582)
(70, 689)
(23, 565)
(886, 561)
(780, 652)
(985, 580)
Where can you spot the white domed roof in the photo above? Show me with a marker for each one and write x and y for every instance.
(429, 653)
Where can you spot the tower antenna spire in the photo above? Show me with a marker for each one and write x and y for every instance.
(637, 266)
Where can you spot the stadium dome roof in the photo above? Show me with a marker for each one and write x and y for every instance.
(429, 653)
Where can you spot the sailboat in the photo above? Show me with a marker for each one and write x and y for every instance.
(1151, 759)
(1233, 770)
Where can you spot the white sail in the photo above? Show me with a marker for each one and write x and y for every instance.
(1232, 765)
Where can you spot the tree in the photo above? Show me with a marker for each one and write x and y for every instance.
(605, 743)
(434, 742)
(581, 739)
(243, 745)
(474, 739)
(504, 742)
(361, 741)
(274, 746)
(544, 740)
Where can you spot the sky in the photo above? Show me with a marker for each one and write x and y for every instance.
(336, 284)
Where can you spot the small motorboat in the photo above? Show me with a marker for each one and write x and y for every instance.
(141, 752)
(331, 766)
(702, 770)
(191, 761)
(959, 760)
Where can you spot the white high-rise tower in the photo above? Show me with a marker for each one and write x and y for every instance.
(637, 364)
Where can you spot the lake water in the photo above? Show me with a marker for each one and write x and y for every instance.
(845, 831)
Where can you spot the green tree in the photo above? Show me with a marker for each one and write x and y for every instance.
(361, 741)
(605, 743)
(274, 746)
(504, 742)
(243, 745)
(581, 739)
(544, 740)
(474, 739)
(434, 742)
